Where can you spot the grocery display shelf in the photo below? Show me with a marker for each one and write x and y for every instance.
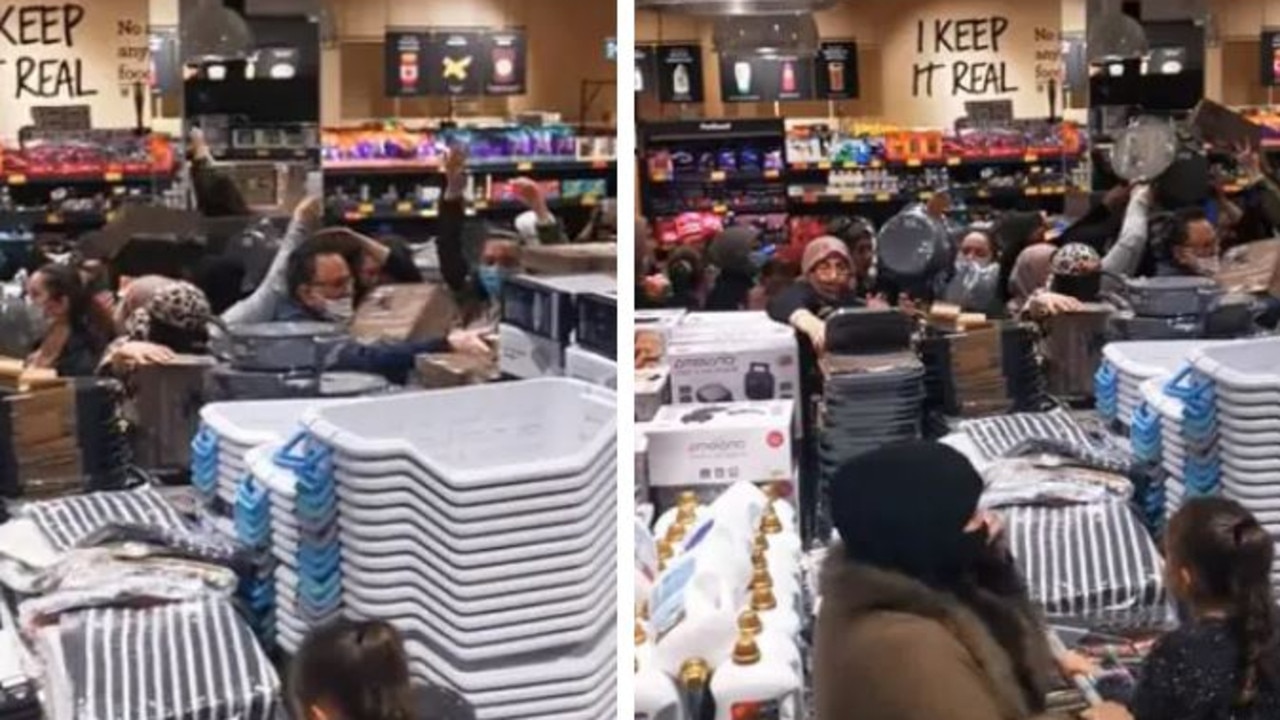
(95, 177)
(48, 218)
(716, 177)
(503, 167)
(1021, 160)
(821, 198)
(375, 212)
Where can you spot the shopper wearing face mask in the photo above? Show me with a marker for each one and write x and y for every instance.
(924, 613)
(974, 284)
(478, 290)
(825, 285)
(74, 328)
(321, 288)
(1191, 248)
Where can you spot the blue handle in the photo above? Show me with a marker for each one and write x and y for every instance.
(1199, 384)
(284, 456)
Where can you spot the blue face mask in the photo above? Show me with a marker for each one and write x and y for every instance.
(491, 279)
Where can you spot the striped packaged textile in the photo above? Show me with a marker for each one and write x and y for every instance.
(1094, 564)
(168, 662)
(68, 521)
(998, 436)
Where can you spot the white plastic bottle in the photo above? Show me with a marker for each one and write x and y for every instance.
(786, 590)
(754, 685)
(777, 617)
(687, 510)
(776, 529)
(780, 559)
(646, 563)
(771, 644)
(693, 684)
(693, 612)
(655, 691)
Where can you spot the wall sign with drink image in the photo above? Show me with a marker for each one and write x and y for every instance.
(1270, 57)
(457, 62)
(680, 73)
(752, 78)
(837, 76)
(506, 54)
(406, 63)
(646, 69)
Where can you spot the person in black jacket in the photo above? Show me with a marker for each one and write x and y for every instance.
(479, 290)
(825, 285)
(77, 329)
(730, 253)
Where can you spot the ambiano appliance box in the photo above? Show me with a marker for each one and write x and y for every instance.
(653, 334)
(719, 444)
(526, 355)
(653, 390)
(755, 366)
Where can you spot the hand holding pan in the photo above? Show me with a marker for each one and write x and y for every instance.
(1144, 150)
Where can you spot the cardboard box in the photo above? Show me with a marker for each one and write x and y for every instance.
(652, 390)
(524, 355)
(399, 313)
(590, 367)
(653, 331)
(435, 371)
(720, 444)
(1251, 269)
(167, 404)
(756, 367)
(575, 259)
(736, 318)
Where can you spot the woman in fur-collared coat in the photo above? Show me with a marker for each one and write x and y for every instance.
(923, 616)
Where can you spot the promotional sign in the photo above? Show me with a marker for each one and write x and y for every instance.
(752, 78)
(1270, 58)
(406, 63)
(837, 71)
(505, 61)
(679, 70)
(456, 63)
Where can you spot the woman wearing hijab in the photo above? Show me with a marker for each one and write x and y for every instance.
(1016, 232)
(924, 615)
(730, 253)
(174, 321)
(825, 285)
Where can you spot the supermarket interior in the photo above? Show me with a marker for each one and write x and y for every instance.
(308, 336)
(956, 357)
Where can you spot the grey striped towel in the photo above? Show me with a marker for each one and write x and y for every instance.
(1092, 563)
(184, 661)
(68, 521)
(997, 436)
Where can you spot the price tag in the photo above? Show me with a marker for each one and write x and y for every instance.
(720, 209)
(53, 219)
(876, 164)
(772, 174)
(17, 179)
(366, 209)
(824, 165)
(953, 161)
(659, 177)
(718, 176)
(352, 216)
(799, 166)
(114, 177)
(524, 166)
(428, 213)
(111, 217)
(914, 162)
(1031, 158)
(984, 193)
(848, 197)
(482, 205)
(118, 190)
(883, 197)
(1032, 191)
(404, 208)
(263, 152)
(849, 166)
(926, 195)
(590, 201)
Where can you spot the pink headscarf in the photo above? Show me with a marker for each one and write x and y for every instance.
(821, 249)
(1031, 270)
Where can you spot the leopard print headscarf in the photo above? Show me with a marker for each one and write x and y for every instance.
(179, 305)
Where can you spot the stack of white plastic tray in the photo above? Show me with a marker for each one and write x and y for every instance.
(1173, 446)
(303, 537)
(1246, 384)
(1138, 361)
(481, 521)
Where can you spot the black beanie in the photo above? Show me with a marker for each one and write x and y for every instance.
(904, 508)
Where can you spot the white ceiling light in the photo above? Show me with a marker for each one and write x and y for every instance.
(214, 32)
(736, 7)
(1115, 36)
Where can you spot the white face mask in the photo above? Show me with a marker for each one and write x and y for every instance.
(340, 311)
(1208, 267)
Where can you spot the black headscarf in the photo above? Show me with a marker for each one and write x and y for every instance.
(904, 508)
(1013, 235)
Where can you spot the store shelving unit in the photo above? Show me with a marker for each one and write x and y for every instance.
(718, 166)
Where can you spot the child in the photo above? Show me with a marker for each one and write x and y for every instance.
(1224, 663)
(352, 671)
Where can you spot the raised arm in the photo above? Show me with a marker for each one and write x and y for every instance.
(452, 222)
(260, 306)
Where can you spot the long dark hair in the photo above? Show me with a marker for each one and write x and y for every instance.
(83, 313)
(1009, 238)
(358, 669)
(1229, 555)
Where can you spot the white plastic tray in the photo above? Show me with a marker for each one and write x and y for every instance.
(372, 490)
(411, 578)
(1241, 426)
(1148, 358)
(476, 535)
(1244, 365)
(482, 435)
(254, 422)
